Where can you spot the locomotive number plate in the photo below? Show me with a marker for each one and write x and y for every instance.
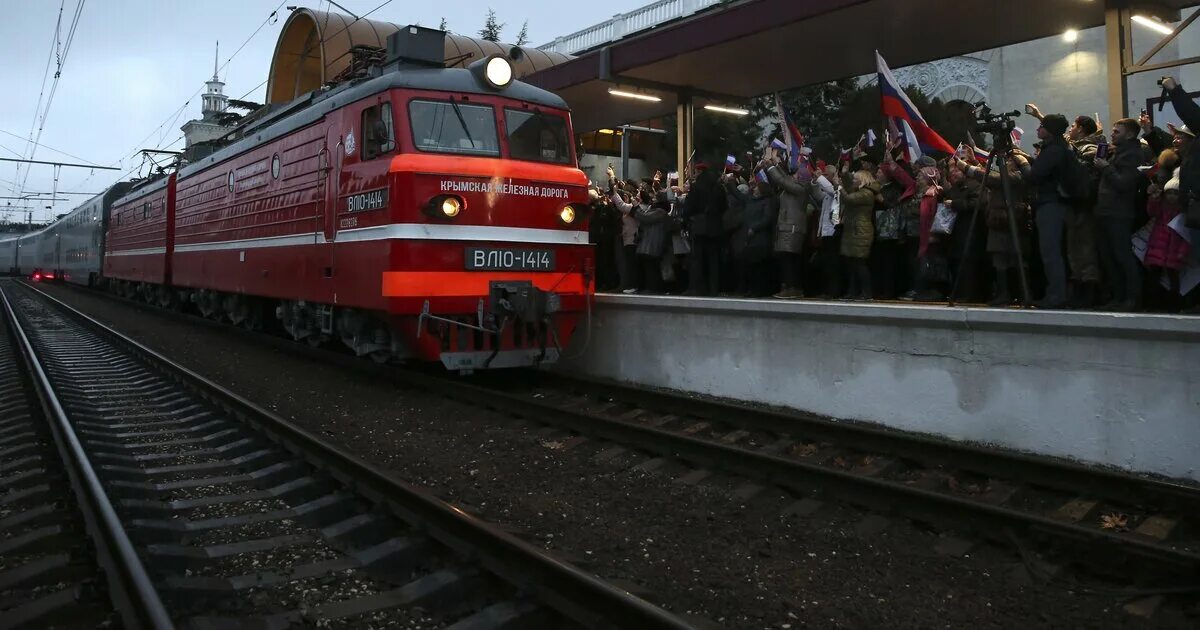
(494, 259)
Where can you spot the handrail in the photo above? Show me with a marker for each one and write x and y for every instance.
(625, 24)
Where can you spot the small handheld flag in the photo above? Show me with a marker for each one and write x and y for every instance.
(761, 176)
(1017, 132)
(912, 146)
(871, 137)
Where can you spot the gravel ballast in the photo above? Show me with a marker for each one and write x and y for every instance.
(713, 548)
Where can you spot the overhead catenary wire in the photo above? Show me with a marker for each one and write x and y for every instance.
(63, 53)
(175, 114)
(46, 146)
(41, 91)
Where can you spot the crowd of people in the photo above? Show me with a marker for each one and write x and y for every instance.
(1096, 219)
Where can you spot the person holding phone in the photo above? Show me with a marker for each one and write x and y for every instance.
(1116, 205)
(1088, 140)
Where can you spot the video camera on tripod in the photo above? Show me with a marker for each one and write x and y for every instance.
(998, 125)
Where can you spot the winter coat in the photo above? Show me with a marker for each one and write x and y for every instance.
(1087, 146)
(1189, 167)
(604, 224)
(1119, 182)
(964, 201)
(858, 219)
(929, 204)
(756, 229)
(999, 234)
(655, 231)
(629, 225)
(1047, 170)
(1166, 247)
(910, 218)
(823, 191)
(704, 206)
(792, 223)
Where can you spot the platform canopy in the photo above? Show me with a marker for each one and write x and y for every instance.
(314, 47)
(745, 49)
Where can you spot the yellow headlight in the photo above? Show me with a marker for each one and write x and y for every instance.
(567, 215)
(451, 206)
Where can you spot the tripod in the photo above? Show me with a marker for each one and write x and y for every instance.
(1001, 150)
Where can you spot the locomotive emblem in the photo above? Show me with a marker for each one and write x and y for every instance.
(350, 148)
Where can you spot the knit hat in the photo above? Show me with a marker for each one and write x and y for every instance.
(1055, 124)
(925, 160)
(1172, 184)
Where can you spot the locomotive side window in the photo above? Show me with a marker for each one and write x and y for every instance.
(454, 127)
(377, 131)
(535, 136)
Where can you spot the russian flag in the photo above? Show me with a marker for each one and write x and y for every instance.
(896, 104)
(911, 143)
(795, 139)
(871, 137)
(1017, 132)
(761, 176)
(776, 143)
(980, 154)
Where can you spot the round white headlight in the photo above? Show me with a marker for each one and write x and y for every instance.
(567, 215)
(498, 72)
(451, 206)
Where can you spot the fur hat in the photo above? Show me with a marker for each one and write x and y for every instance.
(1055, 124)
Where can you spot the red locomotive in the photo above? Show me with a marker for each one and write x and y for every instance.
(417, 212)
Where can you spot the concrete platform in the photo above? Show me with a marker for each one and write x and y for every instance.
(1105, 388)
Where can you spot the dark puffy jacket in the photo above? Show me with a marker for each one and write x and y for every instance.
(760, 217)
(1119, 182)
(1047, 170)
(1189, 166)
(704, 206)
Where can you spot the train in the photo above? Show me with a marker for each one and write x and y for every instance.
(416, 212)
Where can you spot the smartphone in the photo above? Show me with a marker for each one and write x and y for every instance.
(1102, 150)
(1029, 109)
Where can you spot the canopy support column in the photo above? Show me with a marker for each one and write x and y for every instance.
(684, 128)
(1116, 34)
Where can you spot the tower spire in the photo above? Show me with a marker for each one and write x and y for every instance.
(216, 56)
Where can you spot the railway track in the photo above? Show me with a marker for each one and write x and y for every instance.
(240, 519)
(1139, 530)
(50, 568)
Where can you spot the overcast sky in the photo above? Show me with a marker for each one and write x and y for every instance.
(133, 64)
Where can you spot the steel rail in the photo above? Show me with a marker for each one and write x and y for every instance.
(994, 522)
(572, 592)
(134, 594)
(1112, 485)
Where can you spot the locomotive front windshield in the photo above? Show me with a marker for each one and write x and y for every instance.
(536, 136)
(454, 127)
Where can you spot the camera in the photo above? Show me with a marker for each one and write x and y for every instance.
(996, 124)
